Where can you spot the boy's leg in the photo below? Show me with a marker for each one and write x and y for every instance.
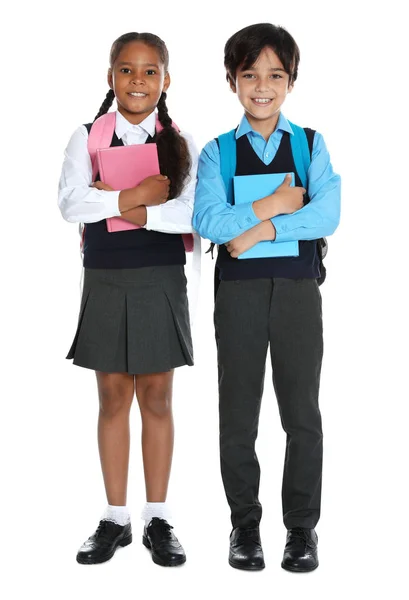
(241, 321)
(296, 347)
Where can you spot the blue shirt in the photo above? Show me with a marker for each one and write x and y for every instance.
(217, 220)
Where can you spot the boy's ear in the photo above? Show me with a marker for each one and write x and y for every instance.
(166, 82)
(109, 78)
(232, 84)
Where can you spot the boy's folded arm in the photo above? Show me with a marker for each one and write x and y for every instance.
(320, 217)
(213, 217)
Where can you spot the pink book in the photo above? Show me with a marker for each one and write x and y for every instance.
(123, 167)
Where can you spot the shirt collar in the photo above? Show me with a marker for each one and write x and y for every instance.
(123, 126)
(245, 127)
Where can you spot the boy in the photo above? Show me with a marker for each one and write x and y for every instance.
(262, 301)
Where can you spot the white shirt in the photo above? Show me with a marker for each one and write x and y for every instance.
(80, 203)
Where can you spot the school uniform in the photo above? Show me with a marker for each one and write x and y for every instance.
(266, 302)
(134, 315)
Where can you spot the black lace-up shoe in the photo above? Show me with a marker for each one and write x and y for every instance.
(300, 553)
(163, 544)
(101, 546)
(245, 549)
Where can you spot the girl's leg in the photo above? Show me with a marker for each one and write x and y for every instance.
(116, 392)
(154, 394)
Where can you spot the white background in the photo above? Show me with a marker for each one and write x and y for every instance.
(350, 88)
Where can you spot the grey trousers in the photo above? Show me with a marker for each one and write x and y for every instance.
(249, 316)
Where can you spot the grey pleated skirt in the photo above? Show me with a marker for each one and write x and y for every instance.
(133, 321)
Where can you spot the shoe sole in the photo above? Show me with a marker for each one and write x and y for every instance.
(298, 569)
(159, 561)
(243, 568)
(97, 561)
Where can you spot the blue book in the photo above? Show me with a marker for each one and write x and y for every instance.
(248, 188)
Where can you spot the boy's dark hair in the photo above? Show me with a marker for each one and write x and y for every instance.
(244, 47)
(173, 152)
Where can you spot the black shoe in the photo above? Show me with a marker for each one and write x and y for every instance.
(102, 544)
(245, 549)
(162, 542)
(300, 553)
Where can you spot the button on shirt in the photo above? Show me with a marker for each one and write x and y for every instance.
(80, 203)
(217, 220)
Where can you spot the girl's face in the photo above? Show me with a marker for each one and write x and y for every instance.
(262, 88)
(138, 79)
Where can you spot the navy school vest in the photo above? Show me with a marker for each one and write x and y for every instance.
(307, 264)
(129, 249)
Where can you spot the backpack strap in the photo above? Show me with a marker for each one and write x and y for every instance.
(300, 149)
(301, 152)
(301, 145)
(100, 136)
(228, 160)
(159, 126)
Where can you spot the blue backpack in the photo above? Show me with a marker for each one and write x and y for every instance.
(302, 159)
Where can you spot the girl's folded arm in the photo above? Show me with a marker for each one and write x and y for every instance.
(78, 202)
(175, 216)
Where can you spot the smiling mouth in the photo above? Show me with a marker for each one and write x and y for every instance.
(137, 94)
(262, 101)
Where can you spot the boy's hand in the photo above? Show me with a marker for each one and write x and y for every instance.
(284, 201)
(262, 232)
(288, 199)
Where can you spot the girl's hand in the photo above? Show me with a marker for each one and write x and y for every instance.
(262, 232)
(153, 190)
(102, 186)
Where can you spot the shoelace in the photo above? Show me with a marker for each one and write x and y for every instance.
(161, 526)
(101, 532)
(249, 535)
(298, 533)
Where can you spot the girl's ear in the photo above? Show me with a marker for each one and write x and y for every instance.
(109, 78)
(166, 82)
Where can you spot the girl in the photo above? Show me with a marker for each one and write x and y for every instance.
(133, 327)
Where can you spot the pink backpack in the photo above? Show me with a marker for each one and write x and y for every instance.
(100, 136)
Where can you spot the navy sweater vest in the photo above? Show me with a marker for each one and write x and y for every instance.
(129, 249)
(306, 265)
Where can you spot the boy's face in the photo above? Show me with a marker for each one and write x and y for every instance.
(263, 87)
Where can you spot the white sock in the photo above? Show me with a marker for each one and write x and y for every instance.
(155, 509)
(118, 514)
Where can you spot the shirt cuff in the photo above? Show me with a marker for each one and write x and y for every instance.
(281, 228)
(153, 217)
(245, 215)
(111, 202)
